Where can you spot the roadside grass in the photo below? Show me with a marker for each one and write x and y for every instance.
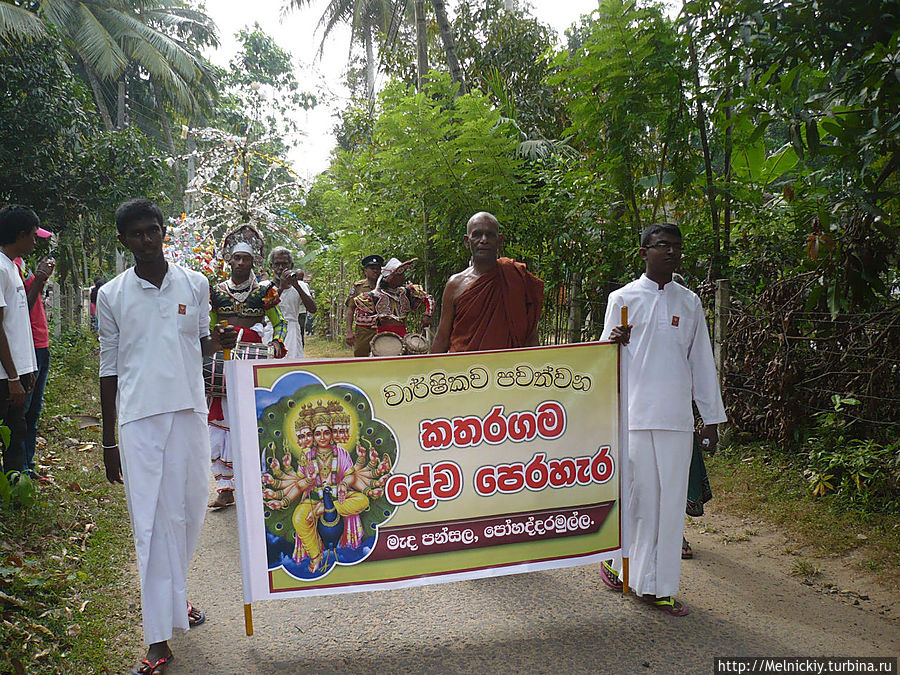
(66, 600)
(756, 480)
(318, 347)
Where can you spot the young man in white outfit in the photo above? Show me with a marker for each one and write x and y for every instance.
(19, 227)
(670, 364)
(153, 321)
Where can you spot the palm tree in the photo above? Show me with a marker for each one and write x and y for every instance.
(367, 16)
(106, 36)
(364, 16)
(440, 13)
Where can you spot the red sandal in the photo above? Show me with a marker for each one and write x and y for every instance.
(158, 667)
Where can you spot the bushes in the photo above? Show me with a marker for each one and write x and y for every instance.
(861, 472)
(73, 351)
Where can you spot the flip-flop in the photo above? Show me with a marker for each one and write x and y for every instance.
(686, 551)
(195, 616)
(158, 667)
(609, 576)
(668, 605)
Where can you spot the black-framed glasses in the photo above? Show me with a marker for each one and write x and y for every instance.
(665, 246)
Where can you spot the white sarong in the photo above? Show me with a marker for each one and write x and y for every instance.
(220, 451)
(164, 460)
(659, 462)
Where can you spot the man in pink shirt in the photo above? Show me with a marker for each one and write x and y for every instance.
(34, 288)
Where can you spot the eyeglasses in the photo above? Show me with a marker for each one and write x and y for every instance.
(665, 246)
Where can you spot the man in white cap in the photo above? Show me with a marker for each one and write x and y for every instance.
(393, 299)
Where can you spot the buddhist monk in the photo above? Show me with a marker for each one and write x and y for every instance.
(495, 303)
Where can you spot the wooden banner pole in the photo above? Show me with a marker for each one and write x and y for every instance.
(248, 619)
(624, 322)
(248, 608)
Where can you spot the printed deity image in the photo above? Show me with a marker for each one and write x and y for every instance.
(325, 462)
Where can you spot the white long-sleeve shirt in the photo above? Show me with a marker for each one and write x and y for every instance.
(670, 359)
(150, 338)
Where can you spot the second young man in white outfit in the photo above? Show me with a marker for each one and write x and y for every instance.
(670, 364)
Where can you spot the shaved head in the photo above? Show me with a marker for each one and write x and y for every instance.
(483, 239)
(482, 217)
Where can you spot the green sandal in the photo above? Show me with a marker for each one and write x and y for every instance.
(668, 605)
(609, 576)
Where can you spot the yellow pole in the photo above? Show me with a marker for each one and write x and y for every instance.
(624, 322)
(248, 619)
(226, 353)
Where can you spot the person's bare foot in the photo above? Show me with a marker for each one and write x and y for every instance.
(223, 498)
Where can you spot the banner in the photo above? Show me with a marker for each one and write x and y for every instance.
(370, 474)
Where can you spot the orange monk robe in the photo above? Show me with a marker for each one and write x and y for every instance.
(500, 310)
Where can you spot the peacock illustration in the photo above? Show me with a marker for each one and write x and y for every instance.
(330, 528)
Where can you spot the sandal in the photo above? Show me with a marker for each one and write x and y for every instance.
(195, 616)
(668, 605)
(221, 501)
(609, 576)
(686, 551)
(158, 667)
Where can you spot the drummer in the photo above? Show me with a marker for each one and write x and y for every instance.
(392, 300)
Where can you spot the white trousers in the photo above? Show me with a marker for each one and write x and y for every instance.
(659, 462)
(293, 340)
(164, 460)
(220, 451)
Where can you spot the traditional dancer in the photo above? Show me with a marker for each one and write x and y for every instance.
(670, 363)
(495, 303)
(296, 300)
(359, 335)
(392, 300)
(244, 303)
(152, 310)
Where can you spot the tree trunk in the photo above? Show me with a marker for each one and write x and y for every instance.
(440, 13)
(659, 181)
(120, 103)
(707, 163)
(99, 101)
(370, 63)
(421, 45)
(167, 134)
(726, 215)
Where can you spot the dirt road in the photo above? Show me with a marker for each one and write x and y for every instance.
(743, 598)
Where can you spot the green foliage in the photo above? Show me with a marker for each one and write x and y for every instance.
(503, 53)
(74, 351)
(431, 162)
(16, 490)
(862, 472)
(624, 81)
(803, 96)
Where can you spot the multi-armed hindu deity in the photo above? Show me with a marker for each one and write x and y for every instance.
(324, 473)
